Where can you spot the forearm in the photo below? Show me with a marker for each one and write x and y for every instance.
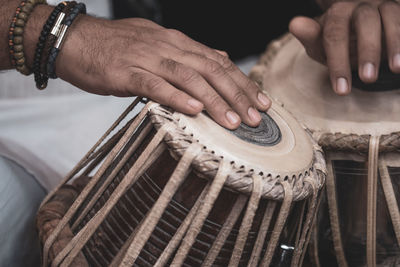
(31, 31)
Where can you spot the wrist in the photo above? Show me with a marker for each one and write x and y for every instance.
(74, 54)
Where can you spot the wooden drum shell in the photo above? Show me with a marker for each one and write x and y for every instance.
(100, 234)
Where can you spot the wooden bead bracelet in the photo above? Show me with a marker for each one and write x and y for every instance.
(16, 35)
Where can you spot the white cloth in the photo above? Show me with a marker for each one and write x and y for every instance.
(47, 132)
(49, 135)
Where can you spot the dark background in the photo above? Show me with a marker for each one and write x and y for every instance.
(241, 28)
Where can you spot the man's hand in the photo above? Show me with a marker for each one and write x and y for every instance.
(353, 34)
(138, 57)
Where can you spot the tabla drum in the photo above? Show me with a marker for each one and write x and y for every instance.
(359, 221)
(167, 189)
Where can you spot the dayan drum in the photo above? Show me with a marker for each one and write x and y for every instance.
(359, 221)
(172, 190)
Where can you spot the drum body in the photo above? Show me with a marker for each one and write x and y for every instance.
(171, 190)
(358, 222)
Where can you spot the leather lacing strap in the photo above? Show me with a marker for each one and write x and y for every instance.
(202, 214)
(77, 243)
(372, 184)
(89, 154)
(371, 199)
(174, 242)
(110, 157)
(262, 234)
(390, 198)
(247, 221)
(151, 220)
(176, 239)
(333, 213)
(225, 230)
(310, 218)
(138, 140)
(280, 222)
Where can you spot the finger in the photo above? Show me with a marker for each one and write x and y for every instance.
(184, 43)
(249, 87)
(309, 33)
(191, 82)
(242, 99)
(149, 85)
(367, 26)
(391, 20)
(236, 89)
(336, 44)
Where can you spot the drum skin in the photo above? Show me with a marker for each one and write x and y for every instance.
(358, 221)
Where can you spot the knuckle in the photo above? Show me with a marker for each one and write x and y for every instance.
(153, 85)
(240, 98)
(138, 79)
(227, 64)
(364, 10)
(250, 86)
(188, 75)
(223, 53)
(337, 8)
(387, 6)
(174, 99)
(214, 68)
(161, 44)
(169, 64)
(214, 100)
(333, 33)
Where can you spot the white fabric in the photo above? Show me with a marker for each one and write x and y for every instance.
(49, 135)
(47, 132)
(20, 198)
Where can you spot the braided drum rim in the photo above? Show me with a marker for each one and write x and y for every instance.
(328, 141)
(240, 179)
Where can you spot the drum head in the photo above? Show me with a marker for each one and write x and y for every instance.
(303, 87)
(279, 147)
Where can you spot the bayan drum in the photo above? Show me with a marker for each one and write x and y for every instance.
(360, 137)
(172, 190)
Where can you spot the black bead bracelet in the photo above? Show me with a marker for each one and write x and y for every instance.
(51, 63)
(41, 79)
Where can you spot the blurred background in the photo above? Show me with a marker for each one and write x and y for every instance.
(241, 28)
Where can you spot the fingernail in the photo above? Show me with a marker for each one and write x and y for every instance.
(263, 99)
(396, 61)
(195, 104)
(341, 86)
(232, 117)
(368, 71)
(254, 114)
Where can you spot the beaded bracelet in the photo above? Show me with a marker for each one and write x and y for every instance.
(51, 63)
(41, 81)
(46, 41)
(54, 33)
(16, 34)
